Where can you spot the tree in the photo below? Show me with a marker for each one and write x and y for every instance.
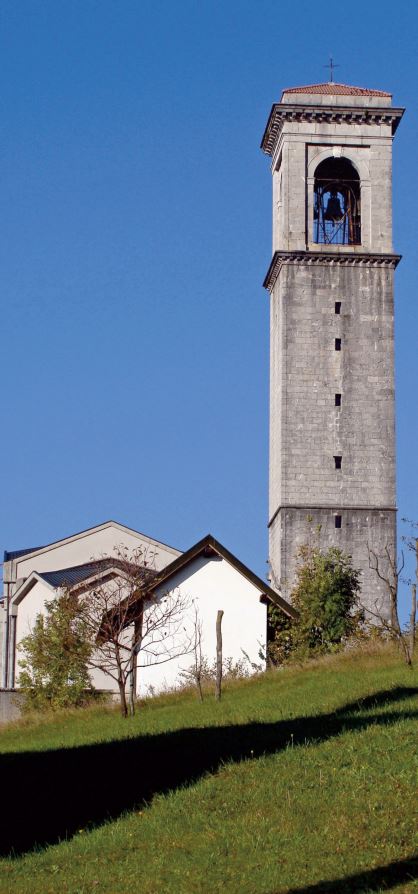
(107, 626)
(197, 670)
(411, 541)
(125, 620)
(54, 666)
(325, 597)
(280, 638)
(389, 571)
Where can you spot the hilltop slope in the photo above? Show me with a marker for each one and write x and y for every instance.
(299, 781)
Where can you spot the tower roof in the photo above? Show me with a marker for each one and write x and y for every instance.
(333, 89)
(329, 103)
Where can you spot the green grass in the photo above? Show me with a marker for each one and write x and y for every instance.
(298, 781)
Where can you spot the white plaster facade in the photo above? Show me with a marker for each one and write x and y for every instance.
(212, 583)
(205, 578)
(20, 604)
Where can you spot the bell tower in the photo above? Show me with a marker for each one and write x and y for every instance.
(332, 422)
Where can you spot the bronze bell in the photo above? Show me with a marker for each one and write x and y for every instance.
(333, 210)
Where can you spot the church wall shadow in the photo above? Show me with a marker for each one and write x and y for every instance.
(382, 878)
(49, 795)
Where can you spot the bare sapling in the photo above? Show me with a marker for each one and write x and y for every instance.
(197, 669)
(412, 621)
(389, 571)
(411, 541)
(130, 625)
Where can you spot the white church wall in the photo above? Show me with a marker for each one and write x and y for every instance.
(211, 584)
(3, 622)
(31, 605)
(208, 583)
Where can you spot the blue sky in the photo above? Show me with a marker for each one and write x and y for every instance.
(136, 215)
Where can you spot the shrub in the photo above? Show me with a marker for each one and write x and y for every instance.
(53, 669)
(326, 599)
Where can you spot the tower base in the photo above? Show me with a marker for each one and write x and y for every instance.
(293, 526)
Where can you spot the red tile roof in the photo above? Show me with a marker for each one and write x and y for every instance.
(333, 89)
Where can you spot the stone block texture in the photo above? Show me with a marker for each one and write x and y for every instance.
(332, 411)
(308, 430)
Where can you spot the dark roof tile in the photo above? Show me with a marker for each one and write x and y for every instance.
(15, 554)
(69, 577)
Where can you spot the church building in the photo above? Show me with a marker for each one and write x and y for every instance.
(204, 579)
(332, 403)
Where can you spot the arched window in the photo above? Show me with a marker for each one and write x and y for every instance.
(336, 203)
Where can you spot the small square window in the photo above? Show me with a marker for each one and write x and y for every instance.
(337, 519)
(338, 344)
(338, 400)
(338, 307)
(338, 461)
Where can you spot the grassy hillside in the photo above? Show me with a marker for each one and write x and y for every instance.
(298, 781)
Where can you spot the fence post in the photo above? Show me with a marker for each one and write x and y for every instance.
(218, 655)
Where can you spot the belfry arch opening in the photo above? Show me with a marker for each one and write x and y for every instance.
(337, 211)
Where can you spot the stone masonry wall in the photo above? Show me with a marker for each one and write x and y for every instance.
(360, 527)
(307, 430)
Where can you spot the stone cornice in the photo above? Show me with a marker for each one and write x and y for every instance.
(315, 114)
(326, 259)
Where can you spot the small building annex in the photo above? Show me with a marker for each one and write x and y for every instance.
(206, 578)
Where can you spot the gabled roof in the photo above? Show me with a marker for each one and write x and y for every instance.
(208, 547)
(69, 577)
(331, 88)
(16, 554)
(89, 572)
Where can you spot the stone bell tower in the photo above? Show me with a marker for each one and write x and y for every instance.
(332, 425)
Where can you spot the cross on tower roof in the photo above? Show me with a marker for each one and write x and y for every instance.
(331, 65)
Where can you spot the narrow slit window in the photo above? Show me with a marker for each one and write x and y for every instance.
(338, 344)
(338, 400)
(338, 461)
(338, 307)
(337, 519)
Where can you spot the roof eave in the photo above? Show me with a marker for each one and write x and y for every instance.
(281, 111)
(200, 548)
(26, 586)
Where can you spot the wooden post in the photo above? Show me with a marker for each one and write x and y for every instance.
(132, 681)
(413, 615)
(412, 622)
(218, 689)
(135, 648)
